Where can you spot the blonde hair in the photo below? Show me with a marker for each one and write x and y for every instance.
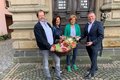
(72, 16)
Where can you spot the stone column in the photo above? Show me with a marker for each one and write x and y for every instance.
(111, 10)
(98, 12)
(24, 18)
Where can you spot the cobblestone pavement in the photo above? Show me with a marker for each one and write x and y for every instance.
(33, 71)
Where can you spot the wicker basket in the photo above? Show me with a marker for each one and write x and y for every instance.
(62, 53)
(68, 44)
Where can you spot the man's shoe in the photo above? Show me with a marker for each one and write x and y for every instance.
(75, 67)
(90, 69)
(69, 69)
(58, 78)
(53, 67)
(48, 78)
(89, 75)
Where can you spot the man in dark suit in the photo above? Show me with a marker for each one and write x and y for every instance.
(94, 33)
(44, 38)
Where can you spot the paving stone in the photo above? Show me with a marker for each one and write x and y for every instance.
(6, 57)
(29, 65)
(34, 71)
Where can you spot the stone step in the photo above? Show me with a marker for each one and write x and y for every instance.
(81, 52)
(80, 59)
(100, 60)
(35, 56)
(116, 57)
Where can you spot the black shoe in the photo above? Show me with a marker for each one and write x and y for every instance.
(53, 67)
(90, 69)
(89, 75)
(58, 78)
(48, 78)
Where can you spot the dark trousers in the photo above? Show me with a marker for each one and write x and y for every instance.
(68, 57)
(92, 52)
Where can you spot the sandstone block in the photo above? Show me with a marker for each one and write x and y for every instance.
(24, 44)
(116, 0)
(116, 14)
(21, 34)
(112, 32)
(24, 17)
(14, 2)
(111, 42)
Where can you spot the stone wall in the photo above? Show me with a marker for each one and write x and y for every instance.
(111, 9)
(112, 37)
(24, 17)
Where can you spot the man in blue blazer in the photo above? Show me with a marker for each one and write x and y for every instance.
(44, 38)
(94, 34)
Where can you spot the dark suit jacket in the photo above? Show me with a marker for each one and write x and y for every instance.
(41, 38)
(95, 35)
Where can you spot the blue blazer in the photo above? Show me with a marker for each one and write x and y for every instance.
(95, 35)
(41, 38)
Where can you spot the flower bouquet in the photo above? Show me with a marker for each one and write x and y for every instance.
(64, 46)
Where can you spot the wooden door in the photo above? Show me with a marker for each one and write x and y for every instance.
(80, 8)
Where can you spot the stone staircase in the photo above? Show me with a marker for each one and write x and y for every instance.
(33, 55)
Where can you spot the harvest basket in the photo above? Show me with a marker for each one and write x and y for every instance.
(62, 53)
(64, 47)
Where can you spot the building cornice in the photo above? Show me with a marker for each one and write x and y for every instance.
(111, 6)
(23, 25)
(112, 23)
(27, 8)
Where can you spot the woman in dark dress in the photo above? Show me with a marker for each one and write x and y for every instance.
(57, 31)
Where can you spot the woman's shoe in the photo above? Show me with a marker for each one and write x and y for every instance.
(53, 67)
(75, 67)
(69, 69)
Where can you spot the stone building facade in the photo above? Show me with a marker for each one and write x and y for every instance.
(111, 8)
(24, 18)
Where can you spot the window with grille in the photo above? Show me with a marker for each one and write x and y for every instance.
(61, 4)
(84, 4)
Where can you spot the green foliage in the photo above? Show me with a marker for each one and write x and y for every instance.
(4, 37)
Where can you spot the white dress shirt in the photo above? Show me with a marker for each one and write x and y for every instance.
(48, 32)
(89, 26)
